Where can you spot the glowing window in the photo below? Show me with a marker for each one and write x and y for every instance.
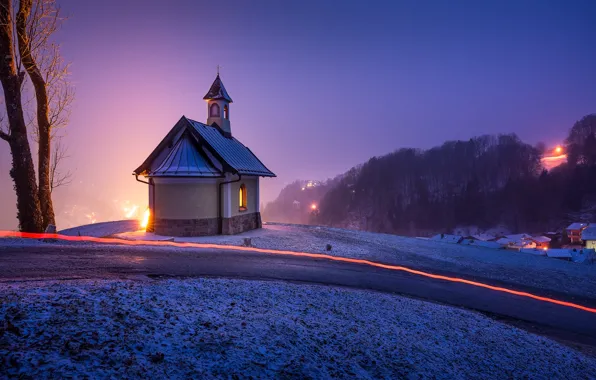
(226, 112)
(214, 110)
(242, 197)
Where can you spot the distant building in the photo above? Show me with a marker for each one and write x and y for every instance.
(574, 231)
(481, 243)
(589, 237)
(202, 180)
(482, 237)
(455, 239)
(561, 254)
(542, 242)
(517, 241)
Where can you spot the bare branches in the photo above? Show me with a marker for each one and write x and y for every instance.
(36, 22)
(4, 136)
(4, 126)
(39, 19)
(59, 154)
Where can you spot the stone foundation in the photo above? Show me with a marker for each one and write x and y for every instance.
(185, 227)
(241, 223)
(205, 227)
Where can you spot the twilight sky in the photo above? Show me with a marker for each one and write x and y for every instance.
(318, 86)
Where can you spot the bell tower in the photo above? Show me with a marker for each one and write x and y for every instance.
(218, 105)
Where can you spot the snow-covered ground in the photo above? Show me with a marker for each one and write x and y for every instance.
(103, 229)
(523, 269)
(237, 328)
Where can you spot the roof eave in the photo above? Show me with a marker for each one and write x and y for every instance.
(183, 176)
(145, 165)
(227, 99)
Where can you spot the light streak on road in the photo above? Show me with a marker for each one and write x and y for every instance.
(29, 235)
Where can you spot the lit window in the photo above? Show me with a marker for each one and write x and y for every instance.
(242, 197)
(214, 110)
(226, 112)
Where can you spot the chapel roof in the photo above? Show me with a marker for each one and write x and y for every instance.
(194, 149)
(186, 160)
(230, 150)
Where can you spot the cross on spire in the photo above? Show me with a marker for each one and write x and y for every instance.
(218, 67)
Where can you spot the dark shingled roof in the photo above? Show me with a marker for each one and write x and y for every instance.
(186, 160)
(218, 91)
(230, 150)
(195, 149)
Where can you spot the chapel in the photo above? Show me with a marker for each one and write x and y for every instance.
(201, 179)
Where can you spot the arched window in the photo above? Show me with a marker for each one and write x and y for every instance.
(242, 202)
(226, 112)
(214, 110)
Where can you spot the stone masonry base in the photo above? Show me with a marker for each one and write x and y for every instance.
(185, 227)
(205, 227)
(241, 223)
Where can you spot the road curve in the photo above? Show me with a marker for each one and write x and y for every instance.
(54, 261)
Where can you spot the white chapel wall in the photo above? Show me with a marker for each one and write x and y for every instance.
(186, 200)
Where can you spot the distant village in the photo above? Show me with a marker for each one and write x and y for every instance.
(576, 242)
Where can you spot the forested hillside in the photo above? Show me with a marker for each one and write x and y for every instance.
(485, 181)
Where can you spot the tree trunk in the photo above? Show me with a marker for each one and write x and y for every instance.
(22, 172)
(23, 175)
(43, 120)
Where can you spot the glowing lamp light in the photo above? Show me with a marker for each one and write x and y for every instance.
(130, 212)
(313, 206)
(145, 219)
(558, 149)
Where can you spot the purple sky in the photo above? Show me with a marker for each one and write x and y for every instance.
(318, 86)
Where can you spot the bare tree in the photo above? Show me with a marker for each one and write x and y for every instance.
(57, 177)
(30, 54)
(23, 171)
(43, 28)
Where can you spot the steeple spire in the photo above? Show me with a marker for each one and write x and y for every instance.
(217, 90)
(218, 105)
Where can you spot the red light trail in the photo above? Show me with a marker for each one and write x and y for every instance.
(29, 235)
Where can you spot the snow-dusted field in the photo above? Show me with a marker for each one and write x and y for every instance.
(103, 229)
(523, 269)
(237, 328)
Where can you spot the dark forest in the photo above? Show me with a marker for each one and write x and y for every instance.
(485, 181)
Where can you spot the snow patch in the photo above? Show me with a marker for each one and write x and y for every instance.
(103, 229)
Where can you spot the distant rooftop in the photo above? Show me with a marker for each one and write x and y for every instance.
(589, 233)
(577, 226)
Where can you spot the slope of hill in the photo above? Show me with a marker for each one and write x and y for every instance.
(485, 181)
(219, 328)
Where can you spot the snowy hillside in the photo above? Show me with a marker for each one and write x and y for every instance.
(521, 269)
(236, 328)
